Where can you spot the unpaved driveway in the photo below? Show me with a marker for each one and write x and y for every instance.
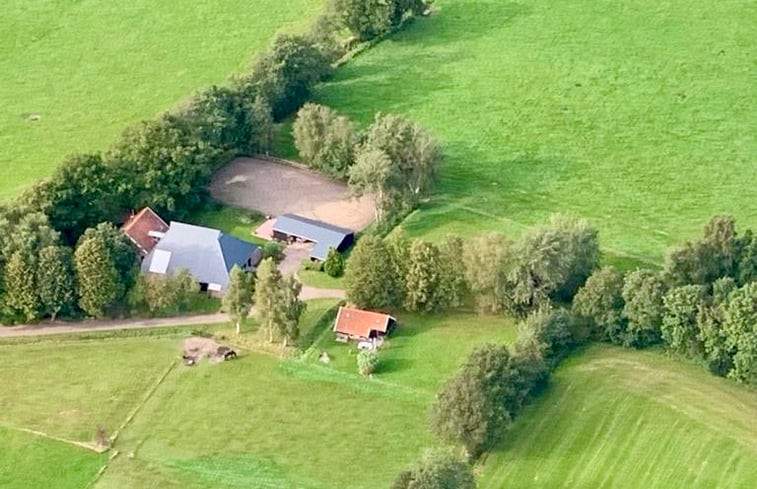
(275, 189)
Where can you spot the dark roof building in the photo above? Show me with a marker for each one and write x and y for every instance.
(357, 324)
(207, 253)
(144, 229)
(325, 236)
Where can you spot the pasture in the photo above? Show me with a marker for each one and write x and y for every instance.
(636, 115)
(76, 74)
(620, 418)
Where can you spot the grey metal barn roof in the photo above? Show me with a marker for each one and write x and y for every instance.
(324, 235)
(207, 253)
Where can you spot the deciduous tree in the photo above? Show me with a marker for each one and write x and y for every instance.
(366, 19)
(599, 305)
(97, 276)
(437, 469)
(325, 140)
(334, 263)
(424, 279)
(370, 279)
(740, 328)
(487, 259)
(55, 280)
(470, 408)
(679, 329)
(643, 291)
(21, 294)
(239, 296)
(367, 362)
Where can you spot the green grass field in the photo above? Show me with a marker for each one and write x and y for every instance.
(89, 69)
(621, 418)
(637, 115)
(29, 461)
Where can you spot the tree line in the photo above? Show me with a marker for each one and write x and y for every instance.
(394, 159)
(702, 304)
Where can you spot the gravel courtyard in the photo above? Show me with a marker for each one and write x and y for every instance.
(274, 189)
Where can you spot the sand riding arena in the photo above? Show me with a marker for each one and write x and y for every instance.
(274, 188)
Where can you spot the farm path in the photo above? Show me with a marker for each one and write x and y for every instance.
(60, 327)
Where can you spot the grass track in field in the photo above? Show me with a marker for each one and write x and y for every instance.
(28, 461)
(637, 115)
(90, 68)
(619, 418)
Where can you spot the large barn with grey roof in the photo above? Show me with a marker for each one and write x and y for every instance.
(208, 254)
(289, 227)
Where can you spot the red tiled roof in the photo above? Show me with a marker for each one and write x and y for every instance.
(138, 227)
(357, 322)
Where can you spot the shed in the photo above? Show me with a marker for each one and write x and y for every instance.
(289, 227)
(361, 325)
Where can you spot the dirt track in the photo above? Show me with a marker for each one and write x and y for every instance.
(60, 327)
(274, 189)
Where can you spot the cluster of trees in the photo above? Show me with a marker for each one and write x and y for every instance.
(394, 159)
(475, 407)
(43, 277)
(367, 19)
(702, 304)
(548, 264)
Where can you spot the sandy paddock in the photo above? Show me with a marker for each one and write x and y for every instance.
(274, 189)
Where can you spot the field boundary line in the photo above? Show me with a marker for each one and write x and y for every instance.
(145, 399)
(41, 434)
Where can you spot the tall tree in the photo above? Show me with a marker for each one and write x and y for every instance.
(366, 19)
(163, 164)
(77, 196)
(679, 327)
(55, 280)
(120, 249)
(325, 140)
(238, 298)
(267, 297)
(643, 291)
(370, 278)
(553, 262)
(453, 286)
(287, 72)
(415, 155)
(372, 173)
(293, 308)
(599, 305)
(424, 280)
(21, 294)
(740, 328)
(97, 277)
(277, 301)
(487, 259)
(470, 407)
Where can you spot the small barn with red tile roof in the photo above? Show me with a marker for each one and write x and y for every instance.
(145, 230)
(357, 324)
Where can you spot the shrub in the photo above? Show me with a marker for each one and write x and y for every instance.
(334, 264)
(367, 362)
(273, 249)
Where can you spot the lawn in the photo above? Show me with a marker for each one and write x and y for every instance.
(636, 115)
(234, 221)
(621, 418)
(76, 74)
(28, 461)
(424, 350)
(68, 388)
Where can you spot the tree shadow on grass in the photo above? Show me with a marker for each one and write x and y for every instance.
(390, 365)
